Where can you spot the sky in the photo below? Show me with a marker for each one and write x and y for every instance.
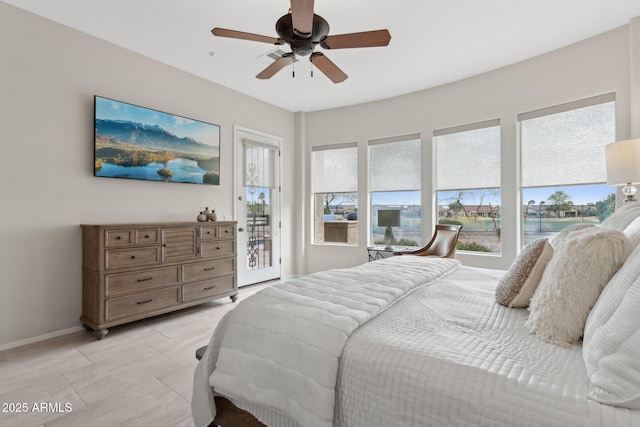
(578, 194)
(205, 133)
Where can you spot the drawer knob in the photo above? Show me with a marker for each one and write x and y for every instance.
(146, 236)
(209, 268)
(145, 279)
(209, 287)
(145, 301)
(208, 232)
(218, 247)
(133, 257)
(226, 231)
(118, 238)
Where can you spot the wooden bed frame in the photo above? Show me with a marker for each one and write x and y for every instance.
(228, 414)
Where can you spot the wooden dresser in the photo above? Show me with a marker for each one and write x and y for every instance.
(134, 271)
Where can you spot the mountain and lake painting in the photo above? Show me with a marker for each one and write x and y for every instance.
(139, 143)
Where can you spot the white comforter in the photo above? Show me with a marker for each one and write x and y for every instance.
(448, 355)
(282, 346)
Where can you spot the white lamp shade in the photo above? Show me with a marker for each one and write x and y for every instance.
(623, 162)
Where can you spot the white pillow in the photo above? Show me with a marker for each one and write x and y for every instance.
(580, 267)
(611, 348)
(632, 231)
(568, 232)
(622, 217)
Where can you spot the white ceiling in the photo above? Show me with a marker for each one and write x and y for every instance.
(433, 41)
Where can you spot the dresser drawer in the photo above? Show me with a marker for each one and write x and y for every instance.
(208, 232)
(226, 231)
(217, 231)
(120, 283)
(216, 248)
(116, 238)
(141, 302)
(149, 236)
(121, 258)
(208, 269)
(208, 289)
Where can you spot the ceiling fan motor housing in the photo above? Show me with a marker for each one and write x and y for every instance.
(302, 46)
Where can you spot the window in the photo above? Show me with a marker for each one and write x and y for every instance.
(335, 193)
(260, 180)
(394, 185)
(468, 184)
(563, 166)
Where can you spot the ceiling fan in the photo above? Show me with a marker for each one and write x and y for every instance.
(303, 30)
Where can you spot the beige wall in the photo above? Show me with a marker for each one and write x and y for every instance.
(48, 76)
(593, 67)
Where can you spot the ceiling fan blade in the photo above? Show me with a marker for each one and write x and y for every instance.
(302, 17)
(276, 66)
(364, 39)
(327, 67)
(223, 32)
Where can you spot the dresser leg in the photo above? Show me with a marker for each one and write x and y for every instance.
(233, 298)
(100, 333)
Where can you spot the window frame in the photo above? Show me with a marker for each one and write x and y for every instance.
(371, 191)
(523, 207)
(315, 193)
(442, 188)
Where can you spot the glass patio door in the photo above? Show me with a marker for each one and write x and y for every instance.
(257, 206)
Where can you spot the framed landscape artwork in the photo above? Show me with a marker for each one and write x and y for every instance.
(140, 143)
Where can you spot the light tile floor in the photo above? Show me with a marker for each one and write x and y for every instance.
(140, 374)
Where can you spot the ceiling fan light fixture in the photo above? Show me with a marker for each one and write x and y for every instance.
(302, 47)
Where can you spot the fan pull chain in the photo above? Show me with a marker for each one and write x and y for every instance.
(311, 68)
(293, 65)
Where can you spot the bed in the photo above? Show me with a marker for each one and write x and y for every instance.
(418, 341)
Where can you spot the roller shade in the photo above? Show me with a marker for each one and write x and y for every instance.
(567, 147)
(468, 157)
(335, 170)
(394, 165)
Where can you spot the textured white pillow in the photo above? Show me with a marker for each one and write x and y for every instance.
(516, 288)
(622, 217)
(632, 231)
(581, 266)
(611, 348)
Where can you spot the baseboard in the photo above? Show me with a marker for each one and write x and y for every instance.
(280, 280)
(291, 276)
(41, 338)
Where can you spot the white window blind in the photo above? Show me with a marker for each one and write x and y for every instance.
(394, 164)
(259, 165)
(335, 170)
(468, 157)
(567, 147)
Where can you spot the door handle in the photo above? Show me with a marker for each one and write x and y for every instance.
(240, 229)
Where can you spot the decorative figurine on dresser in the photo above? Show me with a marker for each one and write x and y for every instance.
(134, 271)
